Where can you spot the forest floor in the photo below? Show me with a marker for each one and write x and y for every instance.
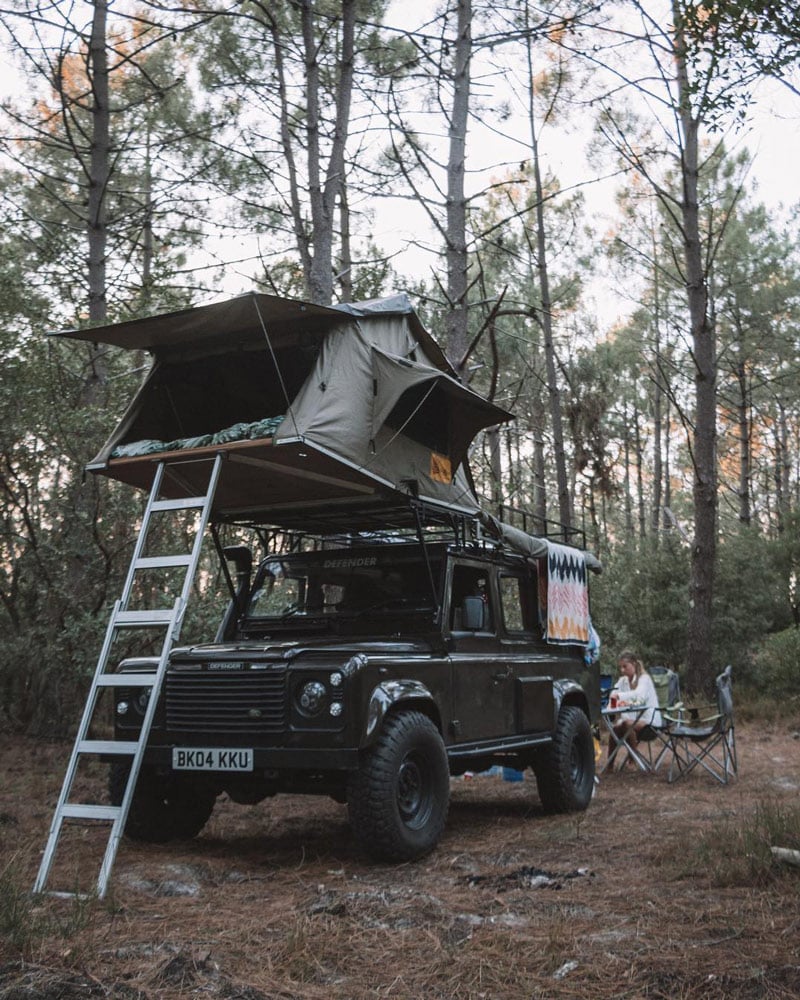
(655, 892)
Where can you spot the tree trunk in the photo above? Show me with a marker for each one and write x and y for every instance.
(539, 464)
(783, 463)
(554, 394)
(146, 293)
(627, 473)
(345, 275)
(495, 465)
(323, 195)
(699, 665)
(97, 204)
(301, 236)
(637, 439)
(456, 224)
(744, 445)
(658, 468)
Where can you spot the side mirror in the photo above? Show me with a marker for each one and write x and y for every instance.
(242, 559)
(240, 556)
(472, 614)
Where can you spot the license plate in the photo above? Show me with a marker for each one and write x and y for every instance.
(211, 759)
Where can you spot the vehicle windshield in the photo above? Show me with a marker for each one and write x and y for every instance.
(341, 584)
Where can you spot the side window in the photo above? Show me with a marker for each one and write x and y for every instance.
(469, 581)
(517, 597)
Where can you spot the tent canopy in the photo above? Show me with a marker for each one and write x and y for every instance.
(245, 321)
(316, 408)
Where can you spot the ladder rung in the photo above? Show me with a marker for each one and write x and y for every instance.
(182, 503)
(162, 562)
(126, 680)
(60, 894)
(144, 618)
(79, 810)
(107, 746)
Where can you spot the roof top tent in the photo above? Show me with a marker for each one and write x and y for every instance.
(329, 418)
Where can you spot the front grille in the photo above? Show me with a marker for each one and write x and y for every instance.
(252, 701)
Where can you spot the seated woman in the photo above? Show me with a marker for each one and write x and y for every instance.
(634, 689)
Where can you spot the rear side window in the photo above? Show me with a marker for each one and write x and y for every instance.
(470, 581)
(518, 603)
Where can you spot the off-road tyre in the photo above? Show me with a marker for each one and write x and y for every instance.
(163, 808)
(565, 769)
(399, 797)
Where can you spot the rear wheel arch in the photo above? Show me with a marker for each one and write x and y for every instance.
(568, 692)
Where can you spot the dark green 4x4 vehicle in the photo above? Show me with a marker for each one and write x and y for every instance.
(370, 670)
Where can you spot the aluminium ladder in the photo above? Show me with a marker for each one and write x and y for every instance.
(123, 618)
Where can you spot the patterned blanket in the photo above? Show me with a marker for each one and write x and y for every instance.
(567, 595)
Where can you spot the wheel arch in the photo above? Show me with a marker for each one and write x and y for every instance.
(569, 692)
(388, 696)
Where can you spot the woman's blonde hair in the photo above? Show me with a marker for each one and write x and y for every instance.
(628, 657)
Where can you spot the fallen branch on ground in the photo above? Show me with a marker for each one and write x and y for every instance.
(786, 855)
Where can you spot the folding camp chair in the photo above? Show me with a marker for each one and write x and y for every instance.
(657, 738)
(709, 742)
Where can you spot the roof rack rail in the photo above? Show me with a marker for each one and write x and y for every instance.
(436, 522)
(542, 527)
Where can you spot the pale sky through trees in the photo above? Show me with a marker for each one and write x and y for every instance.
(771, 134)
(400, 227)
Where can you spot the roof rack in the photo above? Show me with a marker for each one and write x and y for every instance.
(430, 521)
(534, 524)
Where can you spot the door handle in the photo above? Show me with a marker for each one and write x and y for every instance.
(502, 675)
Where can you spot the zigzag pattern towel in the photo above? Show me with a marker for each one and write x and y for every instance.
(567, 595)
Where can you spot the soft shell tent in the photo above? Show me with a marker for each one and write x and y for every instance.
(327, 416)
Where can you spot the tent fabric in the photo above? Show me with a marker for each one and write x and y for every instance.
(218, 324)
(394, 376)
(246, 320)
(363, 385)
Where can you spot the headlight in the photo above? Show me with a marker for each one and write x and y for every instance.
(142, 699)
(312, 698)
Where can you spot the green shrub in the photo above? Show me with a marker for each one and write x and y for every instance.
(775, 668)
(25, 919)
(737, 852)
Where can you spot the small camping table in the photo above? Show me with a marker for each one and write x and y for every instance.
(609, 717)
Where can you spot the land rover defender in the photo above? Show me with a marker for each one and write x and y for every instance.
(372, 672)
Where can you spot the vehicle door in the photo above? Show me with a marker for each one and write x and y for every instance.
(523, 651)
(483, 694)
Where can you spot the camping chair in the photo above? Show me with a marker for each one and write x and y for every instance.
(657, 738)
(668, 687)
(606, 684)
(709, 742)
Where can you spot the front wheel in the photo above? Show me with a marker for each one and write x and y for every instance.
(565, 769)
(163, 808)
(398, 798)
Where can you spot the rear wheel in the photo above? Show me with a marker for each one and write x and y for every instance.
(163, 808)
(398, 799)
(565, 769)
